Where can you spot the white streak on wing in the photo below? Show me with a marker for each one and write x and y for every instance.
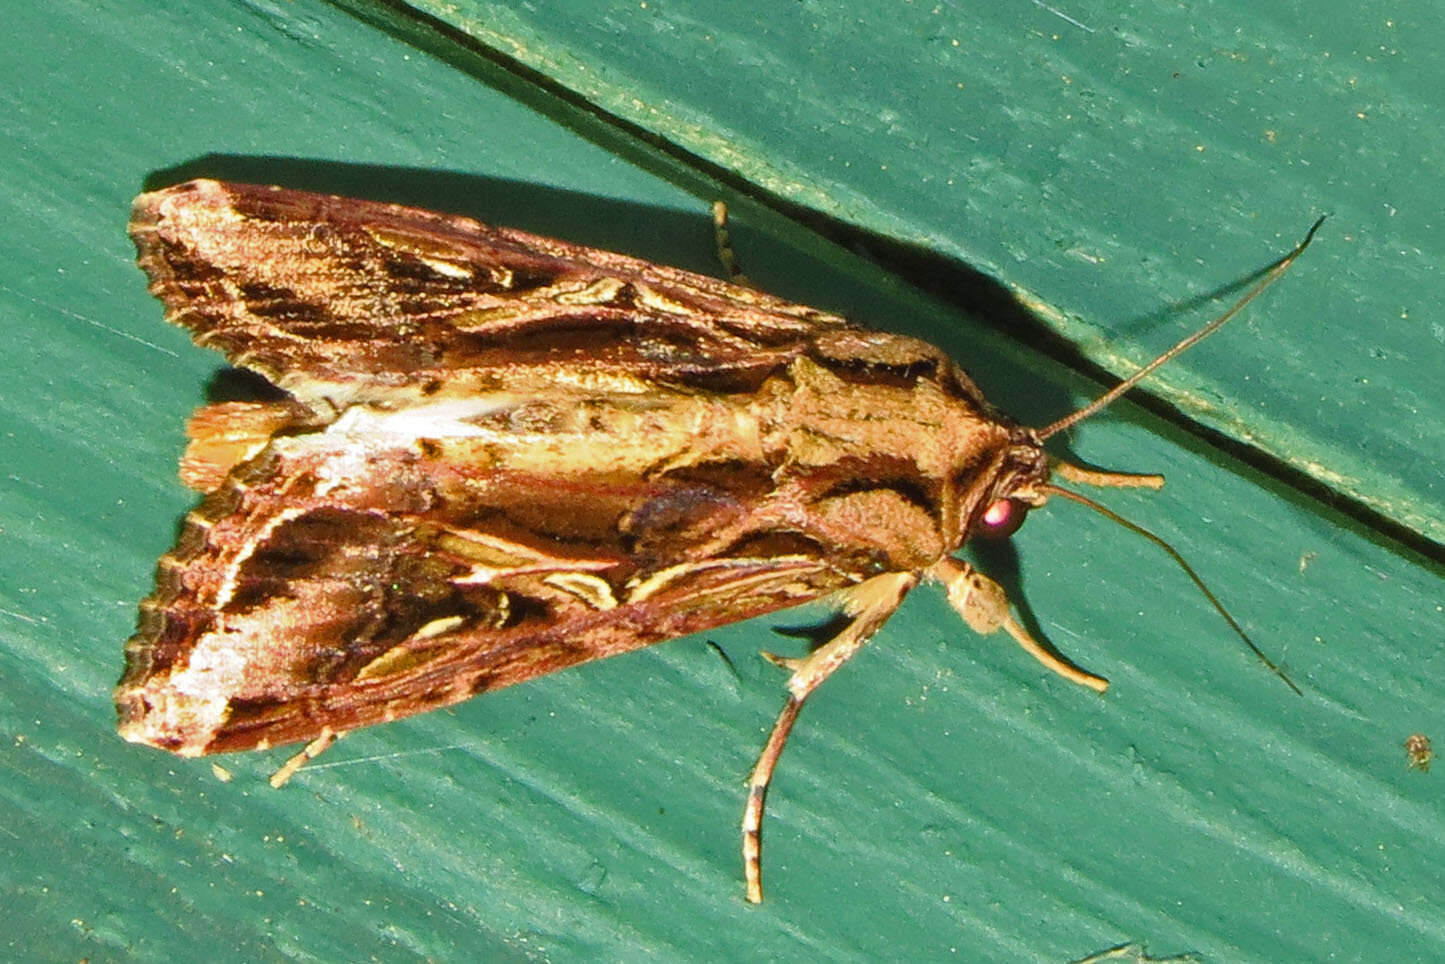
(449, 269)
(773, 568)
(254, 541)
(447, 418)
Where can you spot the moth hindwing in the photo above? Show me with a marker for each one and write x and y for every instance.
(499, 455)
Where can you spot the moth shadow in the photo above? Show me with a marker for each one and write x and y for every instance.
(672, 235)
(231, 384)
(815, 633)
(999, 560)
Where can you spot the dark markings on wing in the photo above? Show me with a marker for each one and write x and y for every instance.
(291, 602)
(311, 288)
(357, 300)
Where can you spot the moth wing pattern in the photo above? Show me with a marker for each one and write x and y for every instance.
(345, 300)
(310, 591)
(503, 455)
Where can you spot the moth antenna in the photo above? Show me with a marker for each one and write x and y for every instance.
(1272, 274)
(1188, 569)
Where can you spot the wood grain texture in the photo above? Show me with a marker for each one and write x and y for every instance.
(943, 794)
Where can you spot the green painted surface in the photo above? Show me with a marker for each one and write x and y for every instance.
(943, 796)
(1106, 160)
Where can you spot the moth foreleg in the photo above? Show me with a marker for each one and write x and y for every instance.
(984, 606)
(870, 604)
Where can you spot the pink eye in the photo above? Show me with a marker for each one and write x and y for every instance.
(1001, 519)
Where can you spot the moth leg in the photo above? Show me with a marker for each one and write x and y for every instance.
(870, 604)
(724, 242)
(984, 606)
(310, 752)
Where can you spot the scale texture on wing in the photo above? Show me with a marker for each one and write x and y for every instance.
(324, 584)
(356, 300)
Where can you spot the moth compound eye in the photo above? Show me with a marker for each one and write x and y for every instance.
(1001, 519)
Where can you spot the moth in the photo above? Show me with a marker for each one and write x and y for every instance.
(495, 455)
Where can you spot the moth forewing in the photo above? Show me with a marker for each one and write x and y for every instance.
(503, 455)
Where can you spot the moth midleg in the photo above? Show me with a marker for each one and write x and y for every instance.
(870, 604)
(984, 606)
(724, 241)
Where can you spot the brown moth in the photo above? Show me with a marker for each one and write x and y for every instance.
(500, 455)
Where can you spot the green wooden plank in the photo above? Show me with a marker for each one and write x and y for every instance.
(943, 794)
(1103, 161)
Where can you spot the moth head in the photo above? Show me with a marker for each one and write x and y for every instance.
(1019, 484)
